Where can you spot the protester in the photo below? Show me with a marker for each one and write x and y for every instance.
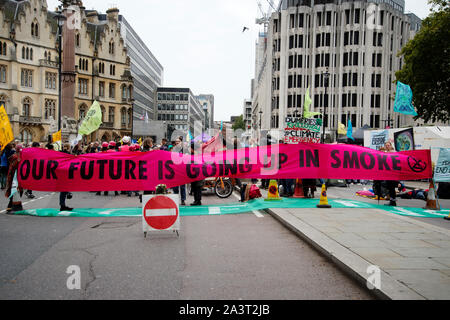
(110, 148)
(148, 145)
(178, 147)
(164, 146)
(77, 149)
(391, 184)
(29, 193)
(134, 148)
(125, 144)
(13, 188)
(64, 195)
(4, 166)
(196, 186)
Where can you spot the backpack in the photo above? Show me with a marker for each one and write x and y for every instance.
(255, 192)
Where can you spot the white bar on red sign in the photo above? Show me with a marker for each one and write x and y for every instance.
(160, 212)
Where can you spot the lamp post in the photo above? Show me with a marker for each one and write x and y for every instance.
(60, 18)
(326, 77)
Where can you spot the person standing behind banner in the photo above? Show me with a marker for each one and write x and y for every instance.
(164, 146)
(64, 195)
(265, 182)
(391, 184)
(147, 145)
(180, 189)
(111, 148)
(125, 144)
(197, 186)
(12, 182)
(105, 146)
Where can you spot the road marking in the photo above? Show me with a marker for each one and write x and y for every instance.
(237, 197)
(407, 212)
(347, 203)
(258, 214)
(214, 210)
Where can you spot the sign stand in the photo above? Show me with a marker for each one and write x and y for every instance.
(160, 213)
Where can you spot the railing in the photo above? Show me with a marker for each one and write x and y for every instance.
(46, 63)
(107, 125)
(30, 120)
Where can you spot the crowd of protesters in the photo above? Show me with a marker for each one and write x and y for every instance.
(10, 158)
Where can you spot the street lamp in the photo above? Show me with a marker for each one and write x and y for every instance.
(60, 18)
(326, 76)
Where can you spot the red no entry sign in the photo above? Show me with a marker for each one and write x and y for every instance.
(161, 212)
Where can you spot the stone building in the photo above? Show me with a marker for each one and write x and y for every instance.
(95, 67)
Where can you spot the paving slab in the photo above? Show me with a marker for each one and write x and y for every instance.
(413, 257)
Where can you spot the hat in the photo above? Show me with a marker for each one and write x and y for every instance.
(105, 145)
(112, 144)
(126, 139)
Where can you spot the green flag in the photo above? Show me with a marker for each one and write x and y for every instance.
(92, 121)
(306, 113)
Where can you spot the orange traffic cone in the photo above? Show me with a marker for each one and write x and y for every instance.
(273, 194)
(299, 190)
(431, 199)
(323, 199)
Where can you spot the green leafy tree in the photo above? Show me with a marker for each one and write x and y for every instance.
(427, 65)
(239, 123)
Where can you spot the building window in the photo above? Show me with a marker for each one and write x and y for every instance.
(83, 64)
(101, 89)
(123, 117)
(111, 114)
(50, 80)
(50, 109)
(83, 86)
(26, 136)
(112, 70)
(27, 78)
(82, 112)
(3, 101)
(2, 74)
(26, 107)
(112, 90)
(124, 92)
(35, 29)
(103, 113)
(101, 68)
(3, 48)
(111, 47)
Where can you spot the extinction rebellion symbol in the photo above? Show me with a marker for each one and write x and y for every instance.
(416, 165)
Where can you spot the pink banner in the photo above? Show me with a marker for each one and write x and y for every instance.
(44, 170)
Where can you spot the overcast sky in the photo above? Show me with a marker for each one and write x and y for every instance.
(200, 43)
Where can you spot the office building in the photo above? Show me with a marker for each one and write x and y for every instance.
(355, 42)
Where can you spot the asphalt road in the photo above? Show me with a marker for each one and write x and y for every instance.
(246, 256)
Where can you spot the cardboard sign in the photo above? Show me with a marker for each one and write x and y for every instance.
(302, 130)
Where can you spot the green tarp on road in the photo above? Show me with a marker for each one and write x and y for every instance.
(236, 208)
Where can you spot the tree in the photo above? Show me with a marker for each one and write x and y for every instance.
(427, 65)
(239, 123)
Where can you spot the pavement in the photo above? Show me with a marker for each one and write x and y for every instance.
(412, 257)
